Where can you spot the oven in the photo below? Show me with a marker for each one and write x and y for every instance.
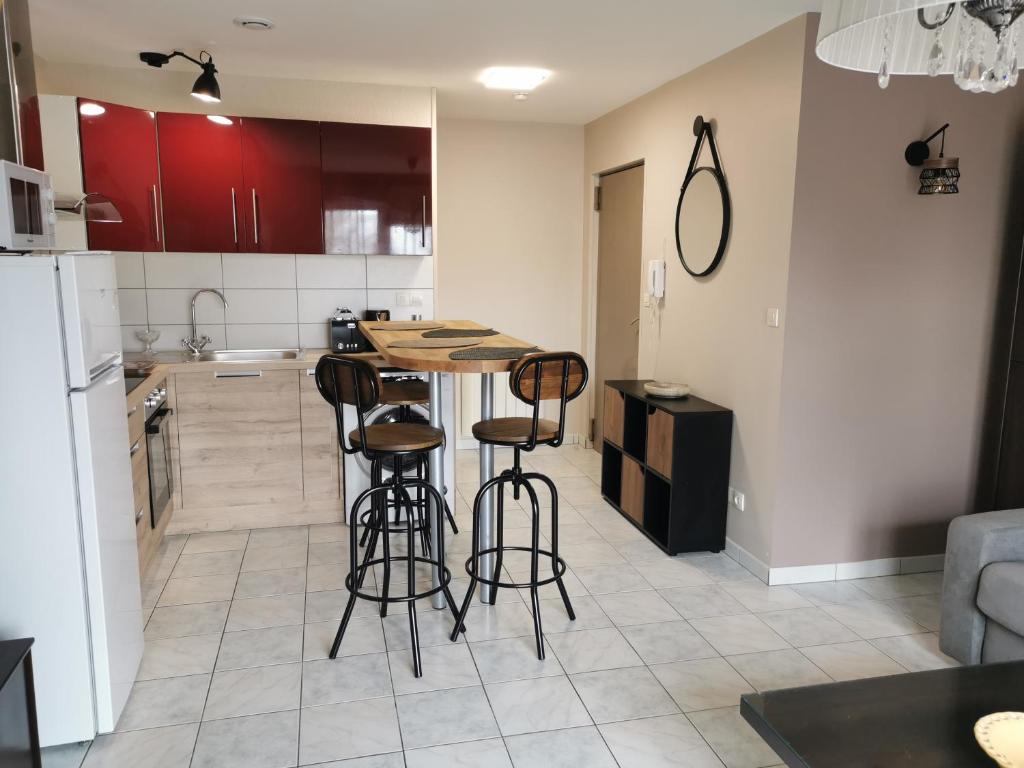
(158, 445)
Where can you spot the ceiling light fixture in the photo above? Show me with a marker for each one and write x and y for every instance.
(519, 79)
(206, 88)
(255, 23)
(219, 119)
(91, 109)
(975, 41)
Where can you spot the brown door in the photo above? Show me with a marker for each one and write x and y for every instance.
(618, 282)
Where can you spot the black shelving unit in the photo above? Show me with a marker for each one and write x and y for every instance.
(665, 466)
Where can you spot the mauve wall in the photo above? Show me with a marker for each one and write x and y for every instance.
(890, 310)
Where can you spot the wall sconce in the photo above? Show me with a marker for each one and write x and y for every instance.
(206, 87)
(939, 176)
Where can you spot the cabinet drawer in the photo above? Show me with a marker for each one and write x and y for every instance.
(136, 423)
(614, 409)
(140, 486)
(633, 490)
(660, 431)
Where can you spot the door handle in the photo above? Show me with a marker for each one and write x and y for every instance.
(139, 514)
(423, 229)
(255, 218)
(237, 374)
(135, 448)
(156, 214)
(634, 321)
(234, 215)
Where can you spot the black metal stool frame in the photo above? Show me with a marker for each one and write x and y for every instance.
(519, 480)
(365, 393)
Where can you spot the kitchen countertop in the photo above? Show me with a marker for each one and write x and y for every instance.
(164, 364)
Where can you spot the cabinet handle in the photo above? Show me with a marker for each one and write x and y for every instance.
(139, 514)
(234, 215)
(255, 218)
(135, 448)
(132, 411)
(237, 374)
(423, 229)
(156, 214)
(311, 371)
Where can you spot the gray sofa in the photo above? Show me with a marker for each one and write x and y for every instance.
(983, 588)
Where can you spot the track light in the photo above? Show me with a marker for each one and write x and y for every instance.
(206, 88)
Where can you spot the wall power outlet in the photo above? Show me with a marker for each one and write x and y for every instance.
(737, 499)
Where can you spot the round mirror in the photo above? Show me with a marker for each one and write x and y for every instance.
(702, 221)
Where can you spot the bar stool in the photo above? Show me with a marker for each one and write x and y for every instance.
(405, 393)
(537, 377)
(344, 380)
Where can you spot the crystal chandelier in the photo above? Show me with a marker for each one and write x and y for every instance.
(975, 41)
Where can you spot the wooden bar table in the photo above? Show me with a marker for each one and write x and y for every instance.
(435, 362)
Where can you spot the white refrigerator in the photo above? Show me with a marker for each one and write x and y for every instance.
(69, 573)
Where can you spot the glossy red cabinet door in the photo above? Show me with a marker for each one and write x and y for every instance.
(201, 173)
(281, 177)
(119, 160)
(376, 189)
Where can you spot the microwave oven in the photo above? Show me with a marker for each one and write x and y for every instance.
(27, 217)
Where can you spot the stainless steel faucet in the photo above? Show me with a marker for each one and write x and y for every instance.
(197, 342)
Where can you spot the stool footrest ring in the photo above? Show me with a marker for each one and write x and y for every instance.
(517, 585)
(446, 578)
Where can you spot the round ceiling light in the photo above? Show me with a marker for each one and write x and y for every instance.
(257, 23)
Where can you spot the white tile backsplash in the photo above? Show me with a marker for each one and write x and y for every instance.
(170, 306)
(184, 270)
(316, 306)
(275, 300)
(263, 336)
(399, 272)
(259, 270)
(315, 270)
(131, 271)
(261, 305)
(132, 304)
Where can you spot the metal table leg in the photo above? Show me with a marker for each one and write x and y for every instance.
(486, 532)
(436, 480)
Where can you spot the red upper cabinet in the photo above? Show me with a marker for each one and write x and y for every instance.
(201, 173)
(119, 160)
(376, 189)
(281, 202)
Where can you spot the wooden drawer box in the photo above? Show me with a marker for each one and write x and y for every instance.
(665, 466)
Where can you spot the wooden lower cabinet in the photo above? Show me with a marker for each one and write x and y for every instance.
(321, 460)
(239, 437)
(660, 431)
(613, 416)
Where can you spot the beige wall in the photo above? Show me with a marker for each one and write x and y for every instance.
(168, 90)
(510, 215)
(711, 333)
(890, 307)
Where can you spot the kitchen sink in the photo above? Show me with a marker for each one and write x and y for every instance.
(248, 355)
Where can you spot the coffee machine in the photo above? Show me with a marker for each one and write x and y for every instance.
(345, 334)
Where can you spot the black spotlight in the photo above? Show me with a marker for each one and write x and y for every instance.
(206, 87)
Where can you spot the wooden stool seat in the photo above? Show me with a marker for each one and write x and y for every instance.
(409, 392)
(513, 430)
(398, 438)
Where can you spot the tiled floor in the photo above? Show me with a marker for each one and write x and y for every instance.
(650, 673)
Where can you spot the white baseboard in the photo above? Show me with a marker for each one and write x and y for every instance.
(747, 560)
(805, 574)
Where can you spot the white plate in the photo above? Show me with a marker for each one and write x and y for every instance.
(666, 389)
(1001, 735)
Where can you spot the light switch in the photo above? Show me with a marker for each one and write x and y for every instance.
(771, 317)
(402, 299)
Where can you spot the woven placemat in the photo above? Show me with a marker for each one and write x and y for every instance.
(433, 343)
(457, 333)
(492, 353)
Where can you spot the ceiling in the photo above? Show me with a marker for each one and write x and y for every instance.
(603, 52)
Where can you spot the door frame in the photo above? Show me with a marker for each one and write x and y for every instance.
(592, 265)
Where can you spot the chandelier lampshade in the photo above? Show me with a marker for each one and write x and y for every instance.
(975, 41)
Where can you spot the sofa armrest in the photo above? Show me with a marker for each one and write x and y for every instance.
(973, 542)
